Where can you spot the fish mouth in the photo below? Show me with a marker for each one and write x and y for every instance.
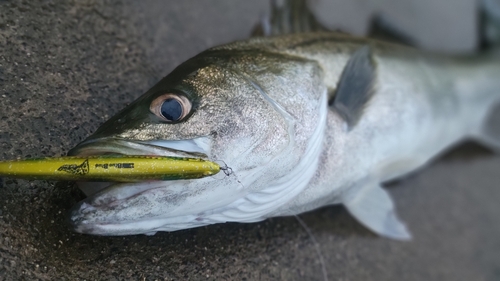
(192, 148)
(110, 194)
(196, 148)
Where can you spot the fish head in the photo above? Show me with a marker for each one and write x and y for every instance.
(261, 116)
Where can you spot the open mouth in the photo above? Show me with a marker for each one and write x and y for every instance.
(88, 216)
(193, 148)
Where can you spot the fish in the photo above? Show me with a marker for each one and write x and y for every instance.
(299, 121)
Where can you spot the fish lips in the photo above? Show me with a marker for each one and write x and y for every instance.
(84, 216)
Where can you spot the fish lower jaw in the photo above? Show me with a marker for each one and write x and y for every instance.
(147, 227)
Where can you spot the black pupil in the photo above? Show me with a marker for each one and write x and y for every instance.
(171, 109)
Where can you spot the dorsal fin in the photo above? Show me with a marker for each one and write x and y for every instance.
(382, 28)
(355, 86)
(288, 16)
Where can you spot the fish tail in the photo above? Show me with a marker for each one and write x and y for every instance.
(489, 17)
(482, 77)
(487, 74)
(488, 133)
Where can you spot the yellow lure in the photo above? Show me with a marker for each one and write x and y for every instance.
(123, 168)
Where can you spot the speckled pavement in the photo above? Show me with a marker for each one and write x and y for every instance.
(67, 66)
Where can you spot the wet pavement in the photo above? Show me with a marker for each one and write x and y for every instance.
(67, 66)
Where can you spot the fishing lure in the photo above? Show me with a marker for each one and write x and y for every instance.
(109, 168)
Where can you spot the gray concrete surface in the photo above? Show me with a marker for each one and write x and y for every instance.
(66, 66)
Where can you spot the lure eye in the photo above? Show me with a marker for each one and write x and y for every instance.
(171, 107)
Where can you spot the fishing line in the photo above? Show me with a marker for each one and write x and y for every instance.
(316, 246)
(228, 171)
(225, 168)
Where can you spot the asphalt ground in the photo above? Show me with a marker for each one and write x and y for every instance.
(67, 66)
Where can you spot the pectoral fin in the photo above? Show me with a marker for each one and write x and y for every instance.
(355, 86)
(373, 207)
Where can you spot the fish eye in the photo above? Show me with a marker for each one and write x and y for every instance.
(171, 107)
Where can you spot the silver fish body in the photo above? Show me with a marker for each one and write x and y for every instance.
(298, 125)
